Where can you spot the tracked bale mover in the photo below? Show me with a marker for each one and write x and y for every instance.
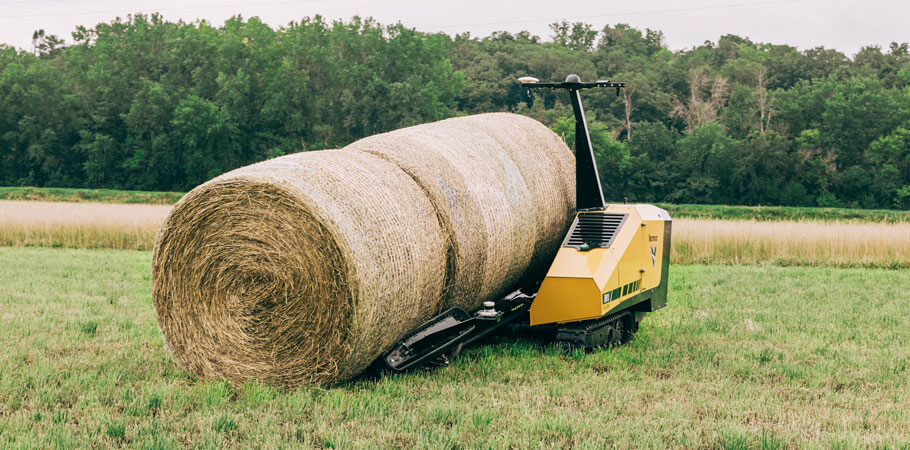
(610, 270)
(311, 267)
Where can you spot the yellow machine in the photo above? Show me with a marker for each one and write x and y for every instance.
(626, 263)
(610, 270)
(612, 266)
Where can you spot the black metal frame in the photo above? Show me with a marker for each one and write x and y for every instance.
(588, 190)
(443, 336)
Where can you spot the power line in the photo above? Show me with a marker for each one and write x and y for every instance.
(630, 13)
(30, 2)
(177, 8)
(655, 11)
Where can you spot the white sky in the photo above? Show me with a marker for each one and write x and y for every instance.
(846, 25)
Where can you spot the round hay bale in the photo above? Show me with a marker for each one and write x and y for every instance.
(304, 268)
(503, 187)
(301, 269)
(548, 169)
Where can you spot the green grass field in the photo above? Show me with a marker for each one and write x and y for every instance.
(722, 212)
(89, 195)
(786, 213)
(742, 357)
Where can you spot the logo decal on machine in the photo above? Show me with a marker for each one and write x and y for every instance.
(653, 255)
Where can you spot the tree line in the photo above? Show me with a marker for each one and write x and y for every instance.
(143, 103)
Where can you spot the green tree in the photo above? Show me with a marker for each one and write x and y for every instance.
(39, 126)
(578, 36)
(706, 161)
(763, 165)
(652, 170)
(889, 157)
(143, 103)
(208, 137)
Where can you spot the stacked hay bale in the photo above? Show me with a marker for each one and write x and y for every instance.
(503, 187)
(304, 268)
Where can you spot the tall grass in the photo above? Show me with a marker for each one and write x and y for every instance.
(791, 243)
(79, 225)
(695, 241)
(679, 211)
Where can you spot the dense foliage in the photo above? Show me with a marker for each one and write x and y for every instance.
(147, 104)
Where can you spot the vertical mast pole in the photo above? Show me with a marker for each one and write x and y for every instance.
(588, 192)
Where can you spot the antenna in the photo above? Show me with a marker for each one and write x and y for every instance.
(588, 190)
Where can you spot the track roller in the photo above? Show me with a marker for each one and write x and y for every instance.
(610, 331)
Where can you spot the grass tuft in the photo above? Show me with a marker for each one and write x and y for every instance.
(224, 423)
(153, 404)
(115, 430)
(80, 225)
(90, 327)
(870, 245)
(60, 416)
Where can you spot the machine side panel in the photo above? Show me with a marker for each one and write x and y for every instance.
(632, 259)
(634, 271)
(572, 263)
(626, 238)
(562, 299)
(652, 249)
(659, 299)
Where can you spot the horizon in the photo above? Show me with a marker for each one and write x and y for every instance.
(803, 24)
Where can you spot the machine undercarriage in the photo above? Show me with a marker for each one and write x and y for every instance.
(442, 338)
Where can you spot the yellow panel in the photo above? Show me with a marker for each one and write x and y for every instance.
(566, 300)
(629, 265)
(572, 263)
(653, 247)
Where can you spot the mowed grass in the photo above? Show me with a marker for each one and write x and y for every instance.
(741, 357)
(89, 195)
(786, 213)
(849, 244)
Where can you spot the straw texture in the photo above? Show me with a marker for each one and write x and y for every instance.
(503, 187)
(304, 268)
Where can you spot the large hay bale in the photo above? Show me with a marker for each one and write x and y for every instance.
(547, 167)
(504, 188)
(304, 268)
(296, 270)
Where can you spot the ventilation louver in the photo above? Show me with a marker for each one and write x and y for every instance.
(595, 229)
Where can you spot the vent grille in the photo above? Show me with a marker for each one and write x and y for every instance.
(595, 229)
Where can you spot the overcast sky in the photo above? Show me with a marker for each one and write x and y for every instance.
(846, 25)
